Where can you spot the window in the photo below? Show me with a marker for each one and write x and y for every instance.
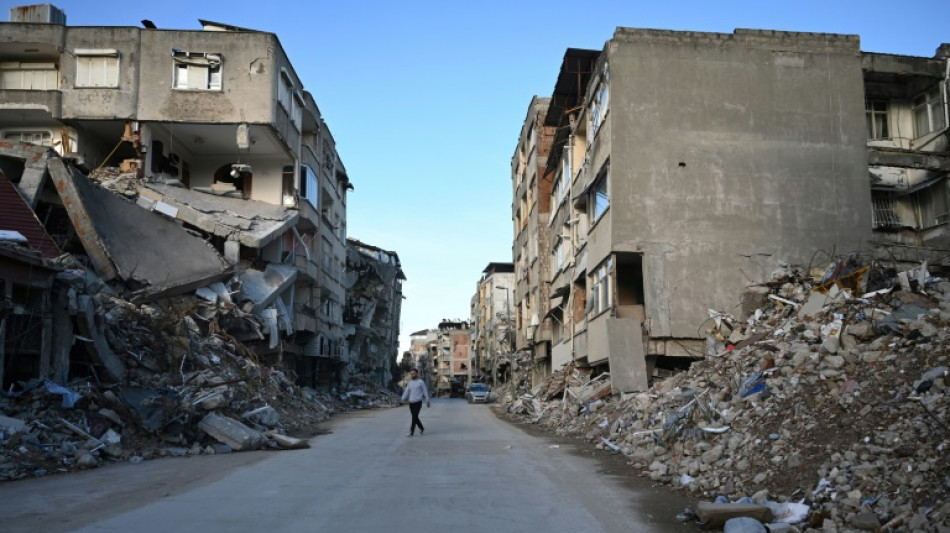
(285, 90)
(197, 71)
(97, 68)
(38, 137)
(28, 76)
(928, 113)
(883, 214)
(601, 295)
(598, 107)
(563, 184)
(599, 198)
(876, 112)
(297, 112)
(309, 186)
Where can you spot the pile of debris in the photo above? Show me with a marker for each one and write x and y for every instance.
(140, 340)
(832, 408)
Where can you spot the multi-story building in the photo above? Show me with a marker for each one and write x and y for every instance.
(452, 355)
(421, 346)
(373, 282)
(906, 110)
(222, 134)
(689, 166)
(530, 209)
(492, 320)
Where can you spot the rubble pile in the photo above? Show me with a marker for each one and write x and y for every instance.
(822, 401)
(188, 387)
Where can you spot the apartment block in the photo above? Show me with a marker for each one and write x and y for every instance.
(530, 208)
(217, 127)
(688, 165)
(493, 321)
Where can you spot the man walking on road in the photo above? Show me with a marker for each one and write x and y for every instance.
(414, 393)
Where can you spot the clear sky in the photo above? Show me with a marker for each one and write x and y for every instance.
(426, 99)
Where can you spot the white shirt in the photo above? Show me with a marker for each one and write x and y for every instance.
(415, 391)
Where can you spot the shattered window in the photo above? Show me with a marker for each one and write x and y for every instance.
(928, 113)
(876, 113)
(285, 90)
(198, 71)
(97, 68)
(37, 137)
(598, 107)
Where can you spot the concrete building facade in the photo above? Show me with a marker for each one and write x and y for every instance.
(690, 165)
(530, 211)
(217, 125)
(492, 320)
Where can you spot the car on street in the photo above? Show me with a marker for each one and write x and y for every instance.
(478, 393)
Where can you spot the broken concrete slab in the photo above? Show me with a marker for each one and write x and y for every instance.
(126, 241)
(714, 515)
(288, 443)
(264, 286)
(231, 432)
(99, 347)
(255, 223)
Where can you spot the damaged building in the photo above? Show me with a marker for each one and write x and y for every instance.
(493, 321)
(908, 159)
(373, 283)
(531, 207)
(686, 166)
(177, 162)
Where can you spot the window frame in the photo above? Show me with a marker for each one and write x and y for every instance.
(930, 103)
(874, 110)
(600, 287)
(599, 195)
(94, 54)
(196, 62)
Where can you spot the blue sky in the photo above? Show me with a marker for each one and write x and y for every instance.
(426, 99)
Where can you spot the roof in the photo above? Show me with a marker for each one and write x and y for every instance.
(16, 215)
(576, 70)
(499, 267)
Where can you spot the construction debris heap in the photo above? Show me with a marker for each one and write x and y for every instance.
(828, 409)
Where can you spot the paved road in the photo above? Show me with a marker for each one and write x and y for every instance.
(470, 472)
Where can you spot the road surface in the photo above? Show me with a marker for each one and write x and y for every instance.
(469, 472)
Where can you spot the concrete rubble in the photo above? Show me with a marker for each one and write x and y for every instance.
(827, 403)
(159, 366)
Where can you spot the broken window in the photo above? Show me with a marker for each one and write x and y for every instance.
(598, 106)
(28, 76)
(601, 294)
(928, 112)
(933, 205)
(559, 255)
(97, 68)
(883, 214)
(600, 200)
(198, 71)
(876, 112)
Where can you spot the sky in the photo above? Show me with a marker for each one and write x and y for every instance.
(426, 99)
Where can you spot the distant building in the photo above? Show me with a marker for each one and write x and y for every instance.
(493, 320)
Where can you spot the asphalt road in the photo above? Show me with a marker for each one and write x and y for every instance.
(470, 472)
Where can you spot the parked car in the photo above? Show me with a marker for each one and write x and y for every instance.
(478, 393)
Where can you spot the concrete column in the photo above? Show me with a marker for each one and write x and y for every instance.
(62, 341)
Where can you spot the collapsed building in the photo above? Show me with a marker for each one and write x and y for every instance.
(683, 165)
(212, 131)
(172, 247)
(373, 282)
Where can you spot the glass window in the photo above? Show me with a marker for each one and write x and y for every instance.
(876, 113)
(601, 295)
(28, 76)
(928, 113)
(600, 199)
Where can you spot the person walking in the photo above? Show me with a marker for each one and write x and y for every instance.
(414, 393)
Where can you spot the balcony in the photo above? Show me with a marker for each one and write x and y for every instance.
(20, 100)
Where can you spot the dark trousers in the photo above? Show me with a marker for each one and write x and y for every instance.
(414, 408)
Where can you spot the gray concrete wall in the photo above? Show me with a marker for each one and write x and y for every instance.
(250, 70)
(101, 102)
(730, 153)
